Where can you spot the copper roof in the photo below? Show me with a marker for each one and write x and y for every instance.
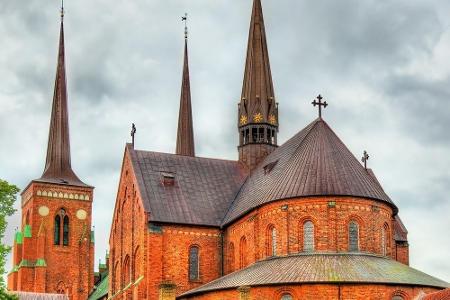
(58, 167)
(185, 134)
(315, 162)
(322, 268)
(201, 192)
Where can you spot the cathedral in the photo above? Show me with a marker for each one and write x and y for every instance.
(303, 219)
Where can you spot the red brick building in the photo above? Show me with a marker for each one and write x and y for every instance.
(53, 252)
(303, 220)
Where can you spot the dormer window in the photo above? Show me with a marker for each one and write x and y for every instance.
(168, 179)
(269, 167)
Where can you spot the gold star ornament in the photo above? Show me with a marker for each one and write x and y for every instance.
(272, 120)
(257, 118)
(243, 120)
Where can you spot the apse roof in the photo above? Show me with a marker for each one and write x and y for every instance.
(315, 162)
(186, 190)
(322, 268)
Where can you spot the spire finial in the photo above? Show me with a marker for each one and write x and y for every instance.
(133, 133)
(320, 104)
(184, 19)
(62, 10)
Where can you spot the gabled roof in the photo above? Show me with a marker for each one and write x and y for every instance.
(315, 162)
(202, 189)
(322, 268)
(400, 231)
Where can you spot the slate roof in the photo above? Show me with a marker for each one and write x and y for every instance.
(400, 231)
(315, 162)
(323, 268)
(202, 192)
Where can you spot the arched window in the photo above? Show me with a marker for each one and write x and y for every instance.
(66, 231)
(126, 271)
(56, 236)
(385, 239)
(242, 252)
(353, 236)
(194, 272)
(398, 298)
(271, 241)
(286, 297)
(308, 236)
(231, 257)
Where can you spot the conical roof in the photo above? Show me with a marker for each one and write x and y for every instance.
(315, 162)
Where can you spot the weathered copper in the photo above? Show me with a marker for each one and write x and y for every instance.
(58, 167)
(185, 135)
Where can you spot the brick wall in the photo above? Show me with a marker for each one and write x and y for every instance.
(319, 291)
(331, 217)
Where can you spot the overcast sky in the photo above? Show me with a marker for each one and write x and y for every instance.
(383, 66)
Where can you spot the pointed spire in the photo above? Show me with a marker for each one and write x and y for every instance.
(185, 135)
(258, 99)
(58, 166)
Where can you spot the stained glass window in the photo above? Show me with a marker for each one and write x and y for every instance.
(193, 263)
(353, 236)
(308, 236)
(286, 297)
(66, 231)
(57, 230)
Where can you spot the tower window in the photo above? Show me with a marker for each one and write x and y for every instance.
(61, 232)
(308, 236)
(254, 135)
(57, 230)
(353, 236)
(194, 263)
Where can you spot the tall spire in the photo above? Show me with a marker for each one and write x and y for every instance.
(58, 166)
(185, 135)
(258, 110)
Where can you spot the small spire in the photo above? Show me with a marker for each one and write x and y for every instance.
(185, 135)
(62, 10)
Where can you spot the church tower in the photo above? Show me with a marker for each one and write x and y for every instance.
(54, 250)
(258, 110)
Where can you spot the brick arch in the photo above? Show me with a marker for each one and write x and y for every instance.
(385, 242)
(284, 290)
(301, 223)
(400, 293)
(116, 282)
(136, 265)
(126, 271)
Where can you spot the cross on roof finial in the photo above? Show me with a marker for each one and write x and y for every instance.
(133, 133)
(320, 104)
(365, 158)
(62, 10)
(184, 18)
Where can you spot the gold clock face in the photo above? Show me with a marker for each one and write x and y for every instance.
(243, 120)
(272, 120)
(258, 117)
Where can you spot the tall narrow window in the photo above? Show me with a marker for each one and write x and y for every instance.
(242, 252)
(231, 257)
(385, 240)
(194, 264)
(271, 241)
(353, 236)
(66, 231)
(56, 236)
(308, 236)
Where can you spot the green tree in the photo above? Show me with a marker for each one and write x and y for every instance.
(8, 195)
